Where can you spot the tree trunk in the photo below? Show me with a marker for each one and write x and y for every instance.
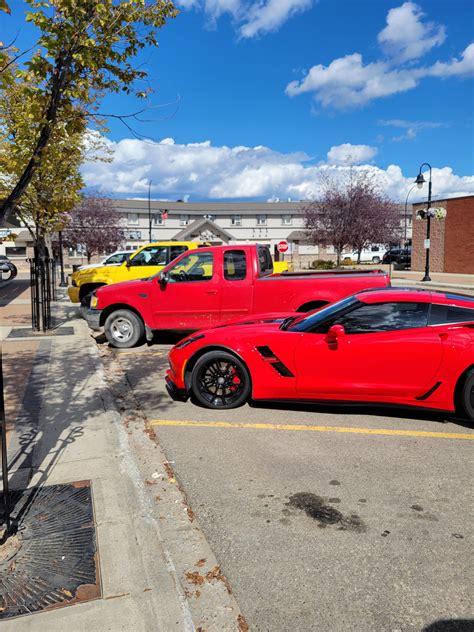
(338, 257)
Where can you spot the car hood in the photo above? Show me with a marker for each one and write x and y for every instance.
(134, 285)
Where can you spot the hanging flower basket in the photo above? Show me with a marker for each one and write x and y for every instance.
(437, 213)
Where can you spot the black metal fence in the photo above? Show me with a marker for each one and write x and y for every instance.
(43, 291)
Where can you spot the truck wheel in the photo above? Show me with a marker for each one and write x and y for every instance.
(376, 260)
(465, 397)
(124, 329)
(220, 381)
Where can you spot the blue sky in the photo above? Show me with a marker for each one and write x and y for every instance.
(264, 96)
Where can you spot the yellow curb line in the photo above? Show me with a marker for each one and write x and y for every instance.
(260, 426)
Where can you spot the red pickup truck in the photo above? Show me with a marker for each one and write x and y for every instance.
(214, 285)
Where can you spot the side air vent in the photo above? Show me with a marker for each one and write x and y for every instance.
(274, 361)
(266, 352)
(282, 369)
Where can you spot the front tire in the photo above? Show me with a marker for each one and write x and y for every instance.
(465, 396)
(376, 260)
(220, 381)
(124, 329)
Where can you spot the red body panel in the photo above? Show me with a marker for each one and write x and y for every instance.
(197, 304)
(415, 367)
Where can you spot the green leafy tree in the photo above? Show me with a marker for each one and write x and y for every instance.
(86, 49)
(56, 181)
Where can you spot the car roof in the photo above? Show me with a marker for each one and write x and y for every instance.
(409, 294)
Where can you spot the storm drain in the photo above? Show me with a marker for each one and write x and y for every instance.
(52, 560)
(31, 333)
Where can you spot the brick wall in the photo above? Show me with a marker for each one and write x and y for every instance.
(437, 240)
(451, 239)
(459, 237)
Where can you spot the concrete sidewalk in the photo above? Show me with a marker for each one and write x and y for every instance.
(64, 426)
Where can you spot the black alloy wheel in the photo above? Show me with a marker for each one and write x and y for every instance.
(220, 381)
(466, 396)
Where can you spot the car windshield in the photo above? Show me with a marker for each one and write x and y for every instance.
(310, 321)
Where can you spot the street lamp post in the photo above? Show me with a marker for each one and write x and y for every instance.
(419, 182)
(406, 205)
(149, 211)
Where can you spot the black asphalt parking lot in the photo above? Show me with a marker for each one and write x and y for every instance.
(323, 518)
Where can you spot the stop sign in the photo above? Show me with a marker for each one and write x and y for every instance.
(282, 246)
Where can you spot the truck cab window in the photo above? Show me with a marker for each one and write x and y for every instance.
(196, 266)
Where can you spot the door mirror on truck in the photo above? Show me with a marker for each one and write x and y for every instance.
(163, 278)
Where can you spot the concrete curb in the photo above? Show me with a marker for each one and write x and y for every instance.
(203, 590)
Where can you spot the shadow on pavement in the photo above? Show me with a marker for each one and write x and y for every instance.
(365, 409)
(451, 625)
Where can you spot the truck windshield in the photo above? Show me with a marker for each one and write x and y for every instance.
(310, 322)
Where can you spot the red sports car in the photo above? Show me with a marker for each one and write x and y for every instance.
(397, 346)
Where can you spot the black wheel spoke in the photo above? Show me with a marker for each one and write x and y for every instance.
(220, 382)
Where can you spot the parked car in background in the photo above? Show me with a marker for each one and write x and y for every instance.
(402, 261)
(116, 258)
(8, 269)
(215, 285)
(399, 346)
(390, 255)
(371, 254)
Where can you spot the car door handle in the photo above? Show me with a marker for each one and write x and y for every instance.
(211, 291)
(443, 336)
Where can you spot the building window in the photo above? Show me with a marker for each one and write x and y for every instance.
(135, 234)
(211, 218)
(133, 218)
(261, 220)
(286, 220)
(158, 219)
(236, 220)
(183, 220)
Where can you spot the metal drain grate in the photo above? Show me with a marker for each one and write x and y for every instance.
(30, 333)
(52, 561)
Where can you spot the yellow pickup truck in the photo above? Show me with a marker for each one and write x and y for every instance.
(143, 263)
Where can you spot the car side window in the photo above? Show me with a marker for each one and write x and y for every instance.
(151, 256)
(196, 266)
(235, 265)
(449, 314)
(378, 317)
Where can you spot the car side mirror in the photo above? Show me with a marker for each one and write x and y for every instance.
(334, 334)
(163, 278)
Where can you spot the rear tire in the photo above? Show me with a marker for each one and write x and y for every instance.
(220, 381)
(376, 260)
(465, 396)
(124, 329)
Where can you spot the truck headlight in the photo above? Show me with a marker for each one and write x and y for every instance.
(94, 301)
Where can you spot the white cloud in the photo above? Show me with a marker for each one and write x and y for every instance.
(455, 67)
(405, 37)
(204, 171)
(348, 154)
(348, 82)
(412, 127)
(251, 18)
(263, 18)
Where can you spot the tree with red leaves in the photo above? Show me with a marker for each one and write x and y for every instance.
(94, 225)
(352, 213)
